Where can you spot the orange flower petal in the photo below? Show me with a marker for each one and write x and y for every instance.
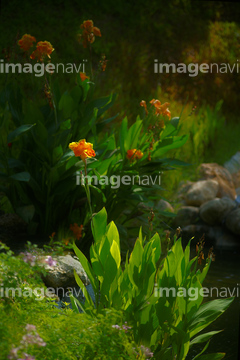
(26, 42)
(134, 154)
(83, 76)
(96, 31)
(82, 149)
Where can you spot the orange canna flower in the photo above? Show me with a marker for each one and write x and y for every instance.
(134, 154)
(77, 230)
(130, 153)
(155, 102)
(138, 154)
(89, 32)
(83, 76)
(97, 31)
(143, 103)
(87, 25)
(52, 236)
(82, 149)
(44, 48)
(161, 109)
(26, 42)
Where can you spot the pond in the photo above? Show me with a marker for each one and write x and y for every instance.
(224, 273)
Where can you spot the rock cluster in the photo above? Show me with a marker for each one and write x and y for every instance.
(211, 205)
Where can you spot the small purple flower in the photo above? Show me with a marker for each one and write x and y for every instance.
(30, 338)
(116, 327)
(27, 357)
(29, 258)
(146, 351)
(30, 327)
(126, 328)
(13, 353)
(50, 262)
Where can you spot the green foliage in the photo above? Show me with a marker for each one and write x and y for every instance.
(65, 334)
(39, 171)
(167, 322)
(15, 273)
(113, 167)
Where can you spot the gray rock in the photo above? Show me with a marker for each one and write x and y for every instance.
(233, 165)
(213, 170)
(233, 221)
(214, 211)
(186, 215)
(62, 275)
(222, 176)
(201, 192)
(163, 205)
(183, 188)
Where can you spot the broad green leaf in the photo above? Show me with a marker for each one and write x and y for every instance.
(202, 351)
(169, 144)
(156, 244)
(169, 130)
(99, 222)
(133, 135)
(215, 356)
(17, 132)
(115, 252)
(112, 234)
(204, 272)
(57, 153)
(207, 313)
(75, 303)
(85, 292)
(22, 176)
(86, 266)
(65, 125)
(104, 249)
(204, 337)
(67, 105)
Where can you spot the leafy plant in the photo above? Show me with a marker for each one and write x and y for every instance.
(38, 173)
(169, 323)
